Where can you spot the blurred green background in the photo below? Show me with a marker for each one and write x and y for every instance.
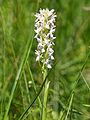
(71, 48)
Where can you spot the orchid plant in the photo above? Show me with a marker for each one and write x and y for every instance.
(44, 29)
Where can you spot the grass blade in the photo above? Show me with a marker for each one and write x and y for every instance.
(85, 82)
(24, 59)
(69, 107)
(33, 83)
(45, 100)
(24, 113)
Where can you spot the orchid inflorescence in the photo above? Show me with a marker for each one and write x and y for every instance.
(45, 28)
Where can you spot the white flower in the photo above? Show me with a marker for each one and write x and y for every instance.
(44, 29)
(38, 55)
(49, 66)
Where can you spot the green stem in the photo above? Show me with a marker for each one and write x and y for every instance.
(25, 112)
(44, 108)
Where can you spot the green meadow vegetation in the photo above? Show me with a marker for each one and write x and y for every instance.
(22, 88)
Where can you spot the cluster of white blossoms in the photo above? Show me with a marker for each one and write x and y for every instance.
(45, 28)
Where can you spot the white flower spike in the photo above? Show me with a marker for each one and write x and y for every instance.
(44, 29)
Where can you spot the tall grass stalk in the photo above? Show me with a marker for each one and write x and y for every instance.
(69, 107)
(3, 67)
(21, 67)
(25, 112)
(74, 87)
(22, 94)
(76, 82)
(85, 81)
(23, 62)
(80, 72)
(33, 83)
(26, 85)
